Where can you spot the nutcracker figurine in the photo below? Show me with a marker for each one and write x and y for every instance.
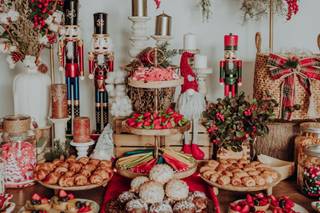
(100, 63)
(231, 67)
(71, 59)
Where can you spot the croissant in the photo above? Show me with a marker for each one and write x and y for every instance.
(205, 168)
(248, 182)
(45, 166)
(94, 162)
(260, 181)
(96, 179)
(89, 167)
(236, 181)
(80, 180)
(69, 174)
(75, 167)
(86, 173)
(56, 162)
(71, 159)
(41, 175)
(63, 164)
(213, 164)
(254, 173)
(214, 177)
(105, 163)
(223, 180)
(52, 178)
(84, 160)
(60, 170)
(66, 181)
(103, 173)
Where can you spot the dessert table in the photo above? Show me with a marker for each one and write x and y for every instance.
(287, 187)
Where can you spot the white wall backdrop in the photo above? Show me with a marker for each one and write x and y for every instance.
(300, 32)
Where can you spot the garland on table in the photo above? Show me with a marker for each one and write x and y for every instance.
(232, 121)
(27, 27)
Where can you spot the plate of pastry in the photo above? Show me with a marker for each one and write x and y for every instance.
(239, 175)
(263, 203)
(73, 174)
(160, 192)
(63, 202)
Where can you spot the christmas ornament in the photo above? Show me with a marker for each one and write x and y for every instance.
(71, 58)
(158, 2)
(191, 104)
(230, 67)
(206, 9)
(100, 63)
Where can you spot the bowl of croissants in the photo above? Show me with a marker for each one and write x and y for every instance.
(74, 174)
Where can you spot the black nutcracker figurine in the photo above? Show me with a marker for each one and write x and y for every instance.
(71, 58)
(231, 67)
(101, 62)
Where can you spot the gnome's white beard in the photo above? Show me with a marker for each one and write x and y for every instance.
(191, 104)
(70, 50)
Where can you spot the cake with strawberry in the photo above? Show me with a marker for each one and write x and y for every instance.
(282, 204)
(61, 201)
(147, 74)
(38, 203)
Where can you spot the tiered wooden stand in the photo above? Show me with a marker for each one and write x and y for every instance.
(158, 135)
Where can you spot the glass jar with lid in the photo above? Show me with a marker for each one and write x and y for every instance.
(18, 152)
(309, 171)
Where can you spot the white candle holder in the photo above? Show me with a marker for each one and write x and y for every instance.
(60, 126)
(161, 39)
(139, 36)
(82, 148)
(202, 74)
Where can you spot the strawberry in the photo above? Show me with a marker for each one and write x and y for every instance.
(136, 115)
(131, 122)
(71, 196)
(260, 195)
(84, 209)
(157, 126)
(169, 125)
(44, 201)
(155, 115)
(263, 202)
(170, 111)
(249, 199)
(147, 114)
(36, 197)
(139, 125)
(147, 123)
(245, 209)
(62, 193)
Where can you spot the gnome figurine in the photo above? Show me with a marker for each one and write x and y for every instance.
(100, 64)
(191, 104)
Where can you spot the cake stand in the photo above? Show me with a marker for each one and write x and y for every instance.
(82, 148)
(159, 134)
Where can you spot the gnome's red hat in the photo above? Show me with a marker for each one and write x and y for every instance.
(190, 78)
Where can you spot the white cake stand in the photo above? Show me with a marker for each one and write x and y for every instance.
(82, 148)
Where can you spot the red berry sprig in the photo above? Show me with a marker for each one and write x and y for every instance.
(293, 8)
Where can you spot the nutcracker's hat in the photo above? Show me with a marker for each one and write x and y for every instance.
(231, 42)
(100, 23)
(70, 10)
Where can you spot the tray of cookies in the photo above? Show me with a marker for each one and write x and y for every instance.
(63, 202)
(73, 174)
(239, 175)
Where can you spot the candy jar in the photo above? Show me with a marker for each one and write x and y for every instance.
(309, 171)
(18, 152)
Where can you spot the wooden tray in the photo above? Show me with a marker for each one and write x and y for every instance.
(75, 188)
(155, 84)
(156, 132)
(178, 175)
(267, 187)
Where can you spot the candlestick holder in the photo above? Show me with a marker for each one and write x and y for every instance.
(202, 74)
(60, 126)
(139, 36)
(82, 148)
(161, 39)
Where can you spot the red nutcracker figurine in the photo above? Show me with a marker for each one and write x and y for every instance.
(100, 63)
(71, 59)
(231, 67)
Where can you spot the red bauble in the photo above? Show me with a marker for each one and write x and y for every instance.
(158, 2)
(293, 8)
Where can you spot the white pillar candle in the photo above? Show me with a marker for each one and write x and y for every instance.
(189, 42)
(200, 61)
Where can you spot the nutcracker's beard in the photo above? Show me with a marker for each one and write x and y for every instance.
(70, 50)
(191, 104)
(100, 59)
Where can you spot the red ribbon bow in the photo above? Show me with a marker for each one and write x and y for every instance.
(287, 69)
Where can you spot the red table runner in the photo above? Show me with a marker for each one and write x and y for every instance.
(119, 184)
